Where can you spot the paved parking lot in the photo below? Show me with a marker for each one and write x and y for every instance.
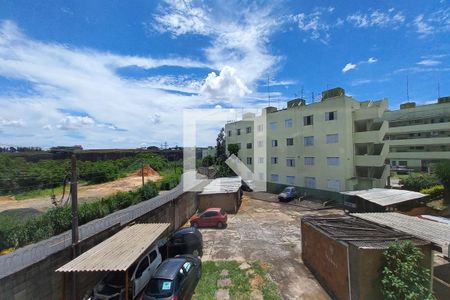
(268, 231)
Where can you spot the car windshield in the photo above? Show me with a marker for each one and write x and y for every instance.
(117, 279)
(288, 190)
(160, 287)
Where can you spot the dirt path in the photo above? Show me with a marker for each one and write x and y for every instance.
(86, 193)
(270, 232)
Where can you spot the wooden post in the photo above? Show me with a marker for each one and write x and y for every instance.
(142, 173)
(126, 284)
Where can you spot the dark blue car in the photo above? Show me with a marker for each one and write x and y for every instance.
(175, 279)
(288, 194)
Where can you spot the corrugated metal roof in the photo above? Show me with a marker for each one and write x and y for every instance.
(118, 252)
(223, 185)
(437, 233)
(386, 197)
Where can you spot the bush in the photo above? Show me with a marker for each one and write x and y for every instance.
(402, 276)
(435, 192)
(170, 179)
(417, 182)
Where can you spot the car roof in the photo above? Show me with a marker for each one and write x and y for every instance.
(185, 230)
(213, 209)
(169, 268)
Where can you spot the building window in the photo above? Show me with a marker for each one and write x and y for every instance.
(260, 144)
(260, 127)
(309, 161)
(334, 184)
(273, 125)
(290, 141)
(260, 160)
(238, 131)
(249, 145)
(308, 140)
(248, 130)
(249, 160)
(333, 161)
(288, 123)
(310, 182)
(308, 120)
(274, 143)
(290, 162)
(274, 160)
(331, 115)
(274, 177)
(229, 132)
(332, 138)
(290, 180)
(403, 163)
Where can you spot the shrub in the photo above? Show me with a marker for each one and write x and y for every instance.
(435, 192)
(417, 182)
(402, 276)
(149, 190)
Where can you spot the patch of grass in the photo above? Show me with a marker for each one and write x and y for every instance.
(268, 288)
(39, 193)
(240, 282)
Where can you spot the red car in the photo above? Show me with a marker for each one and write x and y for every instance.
(212, 217)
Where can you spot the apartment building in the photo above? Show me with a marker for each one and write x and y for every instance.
(419, 136)
(242, 133)
(336, 144)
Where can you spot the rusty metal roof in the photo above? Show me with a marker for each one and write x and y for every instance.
(118, 252)
(223, 185)
(435, 232)
(386, 197)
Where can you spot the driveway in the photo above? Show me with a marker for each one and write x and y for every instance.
(268, 231)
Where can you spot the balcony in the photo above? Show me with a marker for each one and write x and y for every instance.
(367, 114)
(419, 141)
(419, 128)
(420, 155)
(372, 136)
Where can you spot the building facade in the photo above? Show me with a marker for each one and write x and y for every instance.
(419, 136)
(336, 144)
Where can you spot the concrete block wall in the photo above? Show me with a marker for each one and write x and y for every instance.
(40, 281)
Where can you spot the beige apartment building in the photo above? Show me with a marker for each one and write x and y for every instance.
(419, 136)
(336, 144)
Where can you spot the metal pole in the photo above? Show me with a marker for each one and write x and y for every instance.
(126, 284)
(75, 236)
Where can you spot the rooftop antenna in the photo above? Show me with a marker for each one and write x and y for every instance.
(439, 89)
(312, 97)
(407, 88)
(301, 93)
(268, 88)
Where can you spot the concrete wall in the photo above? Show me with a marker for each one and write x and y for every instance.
(229, 202)
(40, 281)
(327, 260)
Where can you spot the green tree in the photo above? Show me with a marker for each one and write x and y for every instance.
(417, 182)
(207, 161)
(402, 276)
(220, 147)
(443, 173)
(233, 149)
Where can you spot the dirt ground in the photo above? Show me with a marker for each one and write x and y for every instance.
(268, 231)
(86, 193)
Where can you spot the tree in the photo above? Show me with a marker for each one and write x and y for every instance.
(220, 147)
(233, 149)
(417, 182)
(207, 161)
(402, 275)
(443, 173)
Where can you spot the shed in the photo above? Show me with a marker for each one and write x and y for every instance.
(380, 200)
(118, 252)
(224, 192)
(345, 253)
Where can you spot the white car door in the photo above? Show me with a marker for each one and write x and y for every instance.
(147, 266)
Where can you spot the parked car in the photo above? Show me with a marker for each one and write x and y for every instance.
(175, 279)
(112, 286)
(187, 240)
(212, 217)
(288, 194)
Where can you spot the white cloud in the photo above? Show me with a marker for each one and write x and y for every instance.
(422, 26)
(376, 18)
(74, 122)
(435, 22)
(348, 67)
(12, 123)
(314, 24)
(226, 85)
(372, 60)
(429, 62)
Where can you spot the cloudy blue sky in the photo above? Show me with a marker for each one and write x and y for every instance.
(111, 73)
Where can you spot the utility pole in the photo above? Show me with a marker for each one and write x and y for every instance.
(75, 236)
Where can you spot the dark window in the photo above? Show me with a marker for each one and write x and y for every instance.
(209, 214)
(153, 255)
(331, 115)
(249, 145)
(274, 143)
(142, 267)
(289, 141)
(229, 132)
(308, 120)
(249, 160)
(248, 130)
(238, 131)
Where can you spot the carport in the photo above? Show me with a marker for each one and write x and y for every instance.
(118, 252)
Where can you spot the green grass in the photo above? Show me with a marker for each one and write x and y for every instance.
(39, 193)
(240, 281)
